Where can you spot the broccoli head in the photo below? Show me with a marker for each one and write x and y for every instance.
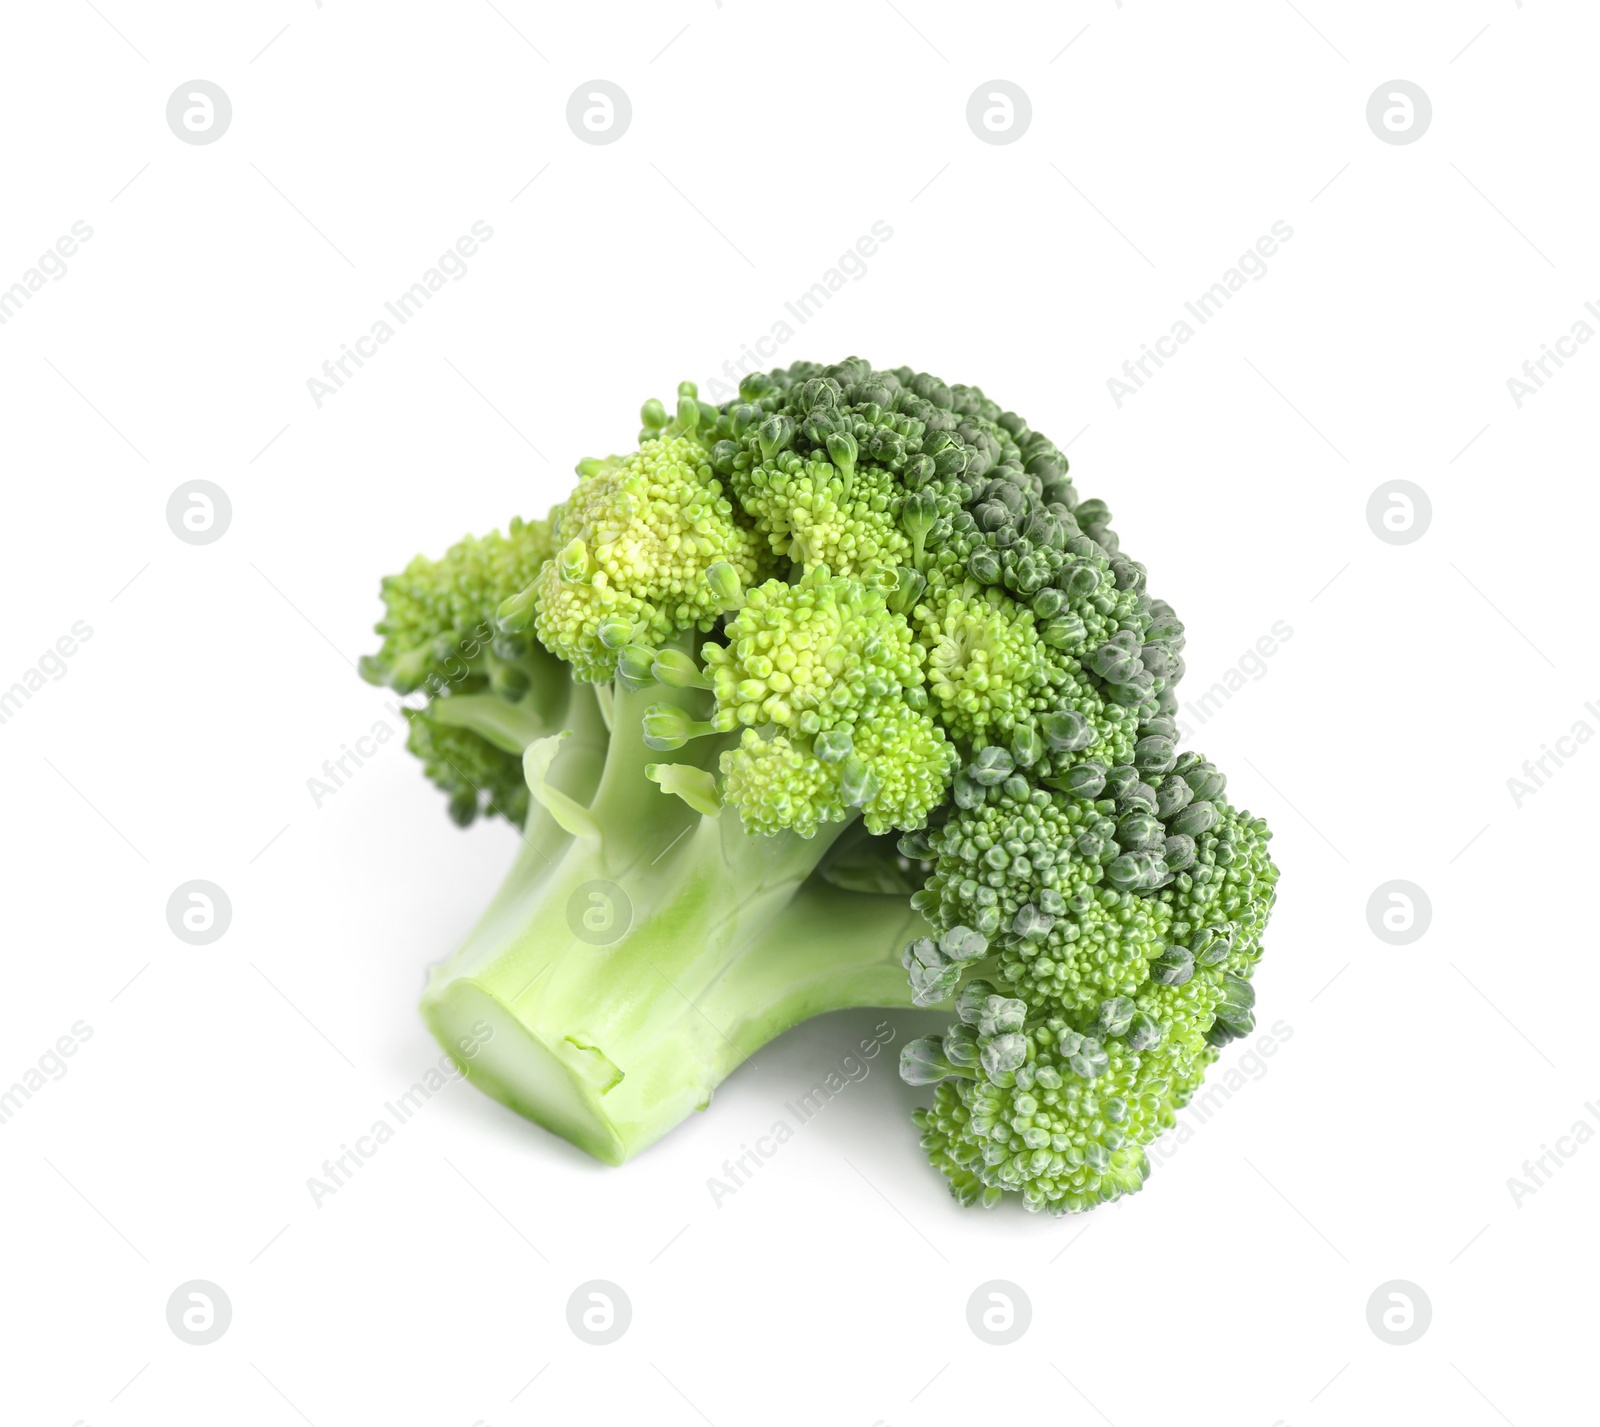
(836, 694)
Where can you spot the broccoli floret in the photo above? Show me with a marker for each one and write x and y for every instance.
(635, 541)
(919, 704)
(439, 628)
(477, 776)
(829, 686)
(1123, 1001)
(488, 693)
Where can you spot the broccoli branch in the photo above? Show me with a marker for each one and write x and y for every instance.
(640, 950)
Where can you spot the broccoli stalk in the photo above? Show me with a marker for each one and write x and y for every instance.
(640, 951)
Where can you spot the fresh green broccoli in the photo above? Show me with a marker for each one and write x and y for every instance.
(489, 694)
(920, 711)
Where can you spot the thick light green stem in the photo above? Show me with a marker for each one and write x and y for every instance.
(616, 980)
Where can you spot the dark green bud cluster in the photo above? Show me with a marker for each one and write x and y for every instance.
(936, 967)
(1087, 869)
(1152, 809)
(1106, 1065)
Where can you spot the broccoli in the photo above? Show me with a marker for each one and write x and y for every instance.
(835, 695)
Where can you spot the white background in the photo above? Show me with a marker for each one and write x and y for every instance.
(1377, 1143)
